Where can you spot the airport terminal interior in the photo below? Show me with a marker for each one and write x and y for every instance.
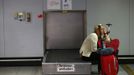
(44, 37)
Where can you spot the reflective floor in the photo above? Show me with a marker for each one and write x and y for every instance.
(122, 70)
(36, 70)
(125, 69)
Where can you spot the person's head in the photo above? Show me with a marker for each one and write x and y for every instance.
(100, 29)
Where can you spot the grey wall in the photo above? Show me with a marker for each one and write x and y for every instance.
(1, 30)
(132, 27)
(23, 39)
(79, 4)
(118, 12)
(76, 5)
(26, 39)
(115, 12)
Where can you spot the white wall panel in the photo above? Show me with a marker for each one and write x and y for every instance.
(23, 39)
(111, 11)
(132, 27)
(1, 30)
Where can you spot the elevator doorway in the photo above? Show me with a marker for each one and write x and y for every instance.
(64, 30)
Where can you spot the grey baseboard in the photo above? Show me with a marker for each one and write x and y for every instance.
(25, 61)
(126, 59)
(122, 59)
(37, 61)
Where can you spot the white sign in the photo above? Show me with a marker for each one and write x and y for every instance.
(67, 4)
(53, 4)
(65, 68)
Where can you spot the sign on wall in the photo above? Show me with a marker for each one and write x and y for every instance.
(67, 4)
(53, 4)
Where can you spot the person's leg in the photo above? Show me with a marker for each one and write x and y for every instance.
(96, 57)
(86, 58)
(93, 57)
(99, 64)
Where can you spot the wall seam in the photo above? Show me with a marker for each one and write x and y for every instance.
(130, 26)
(4, 28)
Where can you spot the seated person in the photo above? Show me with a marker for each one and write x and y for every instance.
(88, 50)
(109, 42)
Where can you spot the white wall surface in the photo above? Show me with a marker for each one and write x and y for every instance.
(1, 30)
(23, 39)
(115, 12)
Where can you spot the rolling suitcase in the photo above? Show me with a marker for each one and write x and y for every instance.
(113, 44)
(109, 65)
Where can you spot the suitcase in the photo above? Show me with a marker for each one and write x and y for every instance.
(113, 44)
(109, 65)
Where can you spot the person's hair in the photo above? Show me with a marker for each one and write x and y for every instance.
(105, 27)
(98, 26)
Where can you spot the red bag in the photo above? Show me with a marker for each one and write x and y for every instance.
(109, 65)
(114, 43)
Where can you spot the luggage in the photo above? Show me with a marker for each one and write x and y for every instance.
(109, 62)
(113, 44)
(105, 51)
(109, 65)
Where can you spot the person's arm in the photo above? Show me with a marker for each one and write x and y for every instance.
(93, 43)
(85, 44)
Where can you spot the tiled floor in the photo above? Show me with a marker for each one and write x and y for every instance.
(132, 66)
(37, 70)
(121, 70)
(129, 68)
